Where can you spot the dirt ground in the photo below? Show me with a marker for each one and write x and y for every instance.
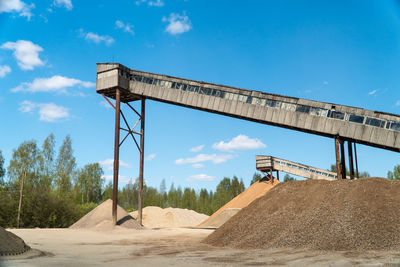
(169, 247)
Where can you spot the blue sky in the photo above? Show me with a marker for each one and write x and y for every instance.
(345, 52)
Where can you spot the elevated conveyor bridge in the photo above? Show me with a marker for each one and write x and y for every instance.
(343, 123)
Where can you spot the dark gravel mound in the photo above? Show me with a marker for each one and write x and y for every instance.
(11, 244)
(361, 214)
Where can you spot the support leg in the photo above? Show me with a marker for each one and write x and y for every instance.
(116, 157)
(355, 156)
(140, 203)
(342, 159)
(338, 167)
(351, 165)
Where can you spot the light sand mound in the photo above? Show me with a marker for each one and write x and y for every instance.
(221, 218)
(100, 218)
(358, 214)
(156, 217)
(242, 200)
(10, 244)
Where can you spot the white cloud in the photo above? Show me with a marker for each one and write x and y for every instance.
(26, 53)
(197, 148)
(156, 3)
(178, 24)
(4, 70)
(216, 159)
(109, 164)
(198, 165)
(373, 92)
(57, 84)
(105, 104)
(94, 37)
(24, 10)
(64, 3)
(240, 142)
(49, 112)
(126, 27)
(200, 177)
(150, 157)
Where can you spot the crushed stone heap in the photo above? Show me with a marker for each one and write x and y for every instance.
(100, 218)
(242, 200)
(156, 217)
(10, 244)
(358, 214)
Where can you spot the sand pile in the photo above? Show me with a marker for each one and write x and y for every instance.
(100, 218)
(156, 217)
(10, 244)
(324, 215)
(242, 200)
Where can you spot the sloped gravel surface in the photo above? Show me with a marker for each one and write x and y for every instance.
(359, 214)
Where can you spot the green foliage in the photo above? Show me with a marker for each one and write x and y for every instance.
(2, 170)
(288, 178)
(256, 177)
(360, 174)
(395, 175)
(38, 190)
(65, 167)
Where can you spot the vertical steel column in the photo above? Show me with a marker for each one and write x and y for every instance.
(342, 159)
(116, 156)
(351, 165)
(355, 155)
(140, 203)
(338, 167)
(277, 175)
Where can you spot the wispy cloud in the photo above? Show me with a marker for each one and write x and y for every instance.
(48, 112)
(373, 92)
(64, 3)
(26, 53)
(398, 103)
(96, 38)
(17, 6)
(4, 70)
(105, 104)
(325, 83)
(216, 159)
(156, 3)
(240, 142)
(55, 84)
(109, 164)
(197, 148)
(150, 157)
(200, 177)
(197, 165)
(126, 27)
(177, 24)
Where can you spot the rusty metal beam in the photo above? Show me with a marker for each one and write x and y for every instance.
(338, 167)
(351, 164)
(342, 159)
(355, 156)
(116, 156)
(140, 200)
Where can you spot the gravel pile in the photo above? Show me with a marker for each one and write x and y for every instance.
(242, 200)
(10, 244)
(359, 214)
(100, 218)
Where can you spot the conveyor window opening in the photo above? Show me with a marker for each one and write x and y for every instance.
(375, 122)
(336, 115)
(356, 118)
(303, 109)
